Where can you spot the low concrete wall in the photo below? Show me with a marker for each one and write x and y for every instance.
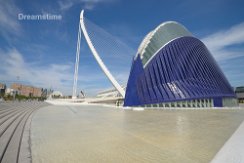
(233, 149)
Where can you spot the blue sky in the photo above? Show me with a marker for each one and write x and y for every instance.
(42, 52)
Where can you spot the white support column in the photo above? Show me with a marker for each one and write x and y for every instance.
(74, 96)
(99, 61)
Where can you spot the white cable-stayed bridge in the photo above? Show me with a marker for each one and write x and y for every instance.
(99, 42)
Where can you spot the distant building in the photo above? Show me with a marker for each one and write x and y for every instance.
(10, 92)
(240, 94)
(56, 94)
(28, 91)
(2, 89)
(47, 93)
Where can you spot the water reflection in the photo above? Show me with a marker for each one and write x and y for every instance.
(100, 134)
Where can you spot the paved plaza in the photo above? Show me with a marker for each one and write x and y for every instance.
(105, 134)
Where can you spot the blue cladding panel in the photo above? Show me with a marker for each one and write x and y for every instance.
(131, 96)
(182, 70)
(217, 102)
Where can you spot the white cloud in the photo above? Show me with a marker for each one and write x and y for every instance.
(65, 5)
(54, 75)
(9, 24)
(87, 4)
(225, 45)
(220, 42)
(15, 68)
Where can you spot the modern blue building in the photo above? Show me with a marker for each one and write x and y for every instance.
(172, 68)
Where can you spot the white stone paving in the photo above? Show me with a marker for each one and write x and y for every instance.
(233, 149)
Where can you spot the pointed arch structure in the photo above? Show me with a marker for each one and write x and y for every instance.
(82, 28)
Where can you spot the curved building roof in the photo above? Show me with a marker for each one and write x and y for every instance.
(182, 70)
(159, 37)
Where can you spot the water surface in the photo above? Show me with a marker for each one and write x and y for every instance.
(65, 134)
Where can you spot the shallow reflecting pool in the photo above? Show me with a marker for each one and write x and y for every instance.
(102, 134)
